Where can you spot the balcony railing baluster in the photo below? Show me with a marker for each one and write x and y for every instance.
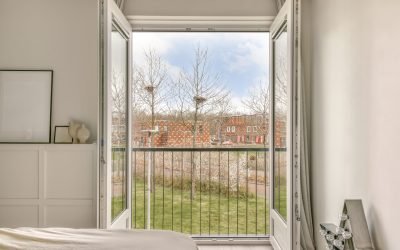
(229, 189)
(134, 188)
(200, 189)
(256, 192)
(265, 192)
(172, 181)
(153, 188)
(247, 190)
(219, 193)
(191, 194)
(237, 194)
(163, 189)
(181, 191)
(144, 189)
(209, 193)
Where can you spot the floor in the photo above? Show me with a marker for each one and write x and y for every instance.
(226, 247)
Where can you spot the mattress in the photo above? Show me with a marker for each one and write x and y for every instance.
(67, 238)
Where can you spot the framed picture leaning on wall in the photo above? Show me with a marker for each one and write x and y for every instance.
(25, 106)
(61, 135)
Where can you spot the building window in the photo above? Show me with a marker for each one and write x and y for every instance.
(228, 129)
(248, 129)
(233, 129)
(201, 129)
(254, 128)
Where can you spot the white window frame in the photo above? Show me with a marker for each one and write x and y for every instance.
(200, 23)
(209, 24)
(228, 129)
(233, 129)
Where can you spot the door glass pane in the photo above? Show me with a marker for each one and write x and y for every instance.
(119, 62)
(281, 109)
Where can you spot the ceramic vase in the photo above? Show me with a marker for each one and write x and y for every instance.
(72, 130)
(83, 134)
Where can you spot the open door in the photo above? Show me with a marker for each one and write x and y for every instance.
(115, 176)
(283, 128)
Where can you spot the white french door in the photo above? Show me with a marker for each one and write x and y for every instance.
(283, 127)
(115, 157)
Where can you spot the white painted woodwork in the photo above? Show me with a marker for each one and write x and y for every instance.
(200, 23)
(200, 8)
(48, 185)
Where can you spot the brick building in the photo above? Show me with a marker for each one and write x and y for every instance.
(171, 133)
(251, 129)
(244, 129)
(230, 130)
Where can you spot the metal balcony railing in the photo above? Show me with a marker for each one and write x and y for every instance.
(204, 192)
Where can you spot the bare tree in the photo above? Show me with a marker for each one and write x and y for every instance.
(197, 93)
(222, 110)
(151, 88)
(151, 92)
(281, 77)
(118, 95)
(258, 102)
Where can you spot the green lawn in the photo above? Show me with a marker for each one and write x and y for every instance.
(208, 213)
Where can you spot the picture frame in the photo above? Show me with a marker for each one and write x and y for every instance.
(61, 135)
(26, 97)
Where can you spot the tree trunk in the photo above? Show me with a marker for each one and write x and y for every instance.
(152, 170)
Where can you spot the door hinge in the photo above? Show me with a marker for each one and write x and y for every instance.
(297, 212)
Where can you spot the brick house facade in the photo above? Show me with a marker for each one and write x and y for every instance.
(171, 134)
(230, 130)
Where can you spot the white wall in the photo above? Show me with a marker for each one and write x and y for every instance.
(201, 8)
(355, 112)
(61, 35)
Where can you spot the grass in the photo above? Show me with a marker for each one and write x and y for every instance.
(208, 213)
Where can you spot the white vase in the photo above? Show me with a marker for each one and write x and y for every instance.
(83, 134)
(72, 130)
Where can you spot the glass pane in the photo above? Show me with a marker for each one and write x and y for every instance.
(281, 102)
(119, 49)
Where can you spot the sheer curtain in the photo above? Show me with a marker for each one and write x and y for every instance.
(307, 241)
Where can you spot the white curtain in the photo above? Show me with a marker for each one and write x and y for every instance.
(120, 4)
(307, 241)
(306, 220)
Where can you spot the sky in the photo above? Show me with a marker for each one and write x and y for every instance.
(241, 59)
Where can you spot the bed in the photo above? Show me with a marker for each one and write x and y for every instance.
(67, 238)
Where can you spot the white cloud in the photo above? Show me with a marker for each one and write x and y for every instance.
(149, 40)
(237, 104)
(244, 53)
(248, 53)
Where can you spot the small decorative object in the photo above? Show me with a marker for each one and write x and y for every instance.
(25, 106)
(352, 232)
(61, 135)
(73, 130)
(83, 134)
